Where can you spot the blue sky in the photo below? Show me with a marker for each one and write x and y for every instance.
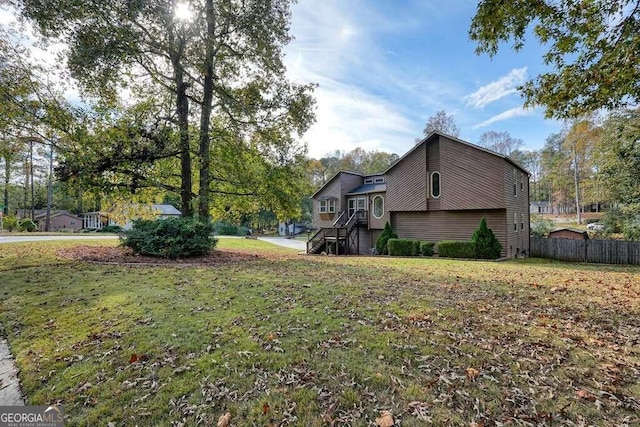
(384, 67)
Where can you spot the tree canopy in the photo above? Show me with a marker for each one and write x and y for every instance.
(592, 45)
(223, 64)
(442, 122)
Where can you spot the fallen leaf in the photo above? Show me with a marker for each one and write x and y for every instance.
(224, 420)
(472, 373)
(265, 408)
(385, 419)
(584, 394)
(133, 358)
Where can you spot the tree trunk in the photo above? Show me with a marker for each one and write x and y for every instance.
(47, 225)
(576, 179)
(33, 195)
(182, 109)
(7, 178)
(205, 118)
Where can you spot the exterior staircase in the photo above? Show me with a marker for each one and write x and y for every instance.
(340, 234)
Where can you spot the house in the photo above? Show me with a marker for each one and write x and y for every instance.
(286, 229)
(58, 221)
(543, 208)
(98, 220)
(439, 190)
(569, 233)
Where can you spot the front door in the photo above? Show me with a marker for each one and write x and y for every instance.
(351, 203)
(362, 204)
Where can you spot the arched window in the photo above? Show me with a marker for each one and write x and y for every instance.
(435, 185)
(378, 206)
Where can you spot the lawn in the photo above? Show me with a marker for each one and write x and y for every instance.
(284, 339)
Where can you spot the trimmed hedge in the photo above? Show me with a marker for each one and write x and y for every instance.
(415, 250)
(457, 249)
(401, 247)
(427, 248)
(170, 238)
(225, 229)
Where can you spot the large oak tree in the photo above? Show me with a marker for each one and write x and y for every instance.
(224, 60)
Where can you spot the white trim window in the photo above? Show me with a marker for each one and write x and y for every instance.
(331, 206)
(521, 222)
(368, 181)
(378, 206)
(322, 206)
(378, 180)
(515, 222)
(435, 185)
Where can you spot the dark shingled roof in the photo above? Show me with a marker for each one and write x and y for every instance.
(368, 188)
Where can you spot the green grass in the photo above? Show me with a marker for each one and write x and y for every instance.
(289, 339)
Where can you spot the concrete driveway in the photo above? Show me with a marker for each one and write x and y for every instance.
(287, 243)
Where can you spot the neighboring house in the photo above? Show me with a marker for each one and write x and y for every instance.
(439, 190)
(292, 229)
(98, 220)
(543, 208)
(569, 233)
(58, 221)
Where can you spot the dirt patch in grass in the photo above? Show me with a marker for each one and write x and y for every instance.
(124, 256)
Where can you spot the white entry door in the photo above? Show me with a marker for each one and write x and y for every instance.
(351, 203)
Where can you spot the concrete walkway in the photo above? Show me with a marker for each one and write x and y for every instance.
(287, 243)
(10, 394)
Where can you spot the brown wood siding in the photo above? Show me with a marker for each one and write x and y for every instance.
(375, 223)
(433, 165)
(331, 190)
(406, 183)
(471, 179)
(518, 206)
(337, 188)
(447, 225)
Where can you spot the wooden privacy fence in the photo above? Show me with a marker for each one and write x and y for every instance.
(597, 251)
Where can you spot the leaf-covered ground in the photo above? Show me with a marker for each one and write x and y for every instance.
(275, 338)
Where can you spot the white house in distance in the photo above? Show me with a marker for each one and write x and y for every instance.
(99, 220)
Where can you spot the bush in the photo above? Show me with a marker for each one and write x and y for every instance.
(225, 229)
(170, 238)
(457, 249)
(631, 228)
(401, 247)
(27, 225)
(415, 251)
(381, 243)
(10, 223)
(110, 229)
(487, 245)
(427, 248)
(541, 226)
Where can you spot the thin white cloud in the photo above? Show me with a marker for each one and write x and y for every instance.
(506, 115)
(504, 86)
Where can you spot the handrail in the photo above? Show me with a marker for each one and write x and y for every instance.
(312, 241)
(337, 221)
